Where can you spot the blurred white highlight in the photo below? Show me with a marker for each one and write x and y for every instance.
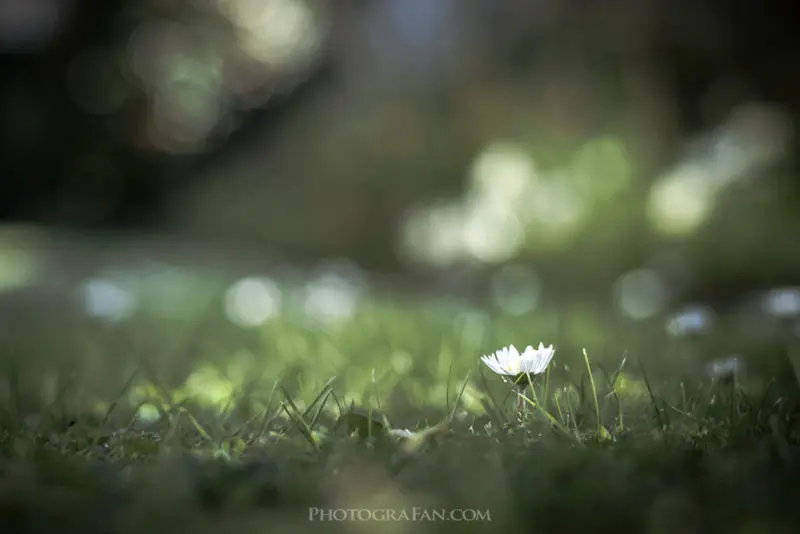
(253, 301)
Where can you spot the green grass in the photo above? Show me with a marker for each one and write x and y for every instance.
(390, 411)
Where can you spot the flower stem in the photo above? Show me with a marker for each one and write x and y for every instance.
(520, 408)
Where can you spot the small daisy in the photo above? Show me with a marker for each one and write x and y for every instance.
(509, 362)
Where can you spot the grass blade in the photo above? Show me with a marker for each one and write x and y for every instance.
(659, 415)
(594, 394)
(125, 387)
(458, 399)
(498, 410)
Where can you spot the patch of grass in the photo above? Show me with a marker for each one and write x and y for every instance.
(410, 441)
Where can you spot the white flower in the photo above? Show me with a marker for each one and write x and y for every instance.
(508, 361)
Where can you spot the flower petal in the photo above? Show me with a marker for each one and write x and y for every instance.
(535, 361)
(493, 364)
(506, 359)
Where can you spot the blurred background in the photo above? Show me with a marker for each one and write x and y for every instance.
(591, 170)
